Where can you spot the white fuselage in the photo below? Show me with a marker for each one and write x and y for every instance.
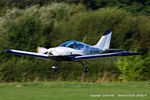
(62, 51)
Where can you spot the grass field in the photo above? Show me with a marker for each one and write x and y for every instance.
(75, 91)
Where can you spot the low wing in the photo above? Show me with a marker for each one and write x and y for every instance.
(69, 58)
(27, 53)
(105, 55)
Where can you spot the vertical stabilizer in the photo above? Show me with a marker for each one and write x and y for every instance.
(104, 42)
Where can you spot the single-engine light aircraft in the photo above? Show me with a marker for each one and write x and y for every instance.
(76, 51)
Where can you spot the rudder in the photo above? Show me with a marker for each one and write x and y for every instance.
(104, 42)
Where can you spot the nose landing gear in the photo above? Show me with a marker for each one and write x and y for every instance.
(55, 66)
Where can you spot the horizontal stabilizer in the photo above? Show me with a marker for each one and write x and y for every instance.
(106, 55)
(118, 49)
(27, 53)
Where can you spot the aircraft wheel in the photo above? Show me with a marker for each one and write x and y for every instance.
(85, 69)
(54, 68)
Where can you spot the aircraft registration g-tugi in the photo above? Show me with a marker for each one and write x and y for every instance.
(76, 51)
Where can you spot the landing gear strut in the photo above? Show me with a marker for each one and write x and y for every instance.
(55, 66)
(85, 69)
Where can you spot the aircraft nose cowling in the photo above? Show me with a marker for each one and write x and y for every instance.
(55, 52)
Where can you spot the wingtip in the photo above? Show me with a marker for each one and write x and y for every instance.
(7, 50)
(107, 32)
(139, 53)
(135, 53)
(128, 49)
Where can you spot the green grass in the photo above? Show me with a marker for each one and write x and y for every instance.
(74, 91)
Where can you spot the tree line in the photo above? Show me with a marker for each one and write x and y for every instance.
(52, 24)
(134, 6)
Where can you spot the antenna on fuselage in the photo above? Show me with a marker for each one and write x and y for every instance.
(84, 39)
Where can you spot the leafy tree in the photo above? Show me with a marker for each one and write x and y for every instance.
(131, 68)
(25, 33)
(147, 65)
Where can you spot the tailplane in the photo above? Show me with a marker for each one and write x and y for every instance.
(104, 42)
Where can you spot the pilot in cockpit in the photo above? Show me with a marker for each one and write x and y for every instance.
(74, 45)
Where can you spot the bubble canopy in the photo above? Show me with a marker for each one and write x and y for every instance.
(73, 44)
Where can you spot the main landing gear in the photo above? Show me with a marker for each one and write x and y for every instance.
(55, 66)
(85, 69)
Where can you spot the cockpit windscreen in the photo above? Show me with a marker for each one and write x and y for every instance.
(73, 44)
